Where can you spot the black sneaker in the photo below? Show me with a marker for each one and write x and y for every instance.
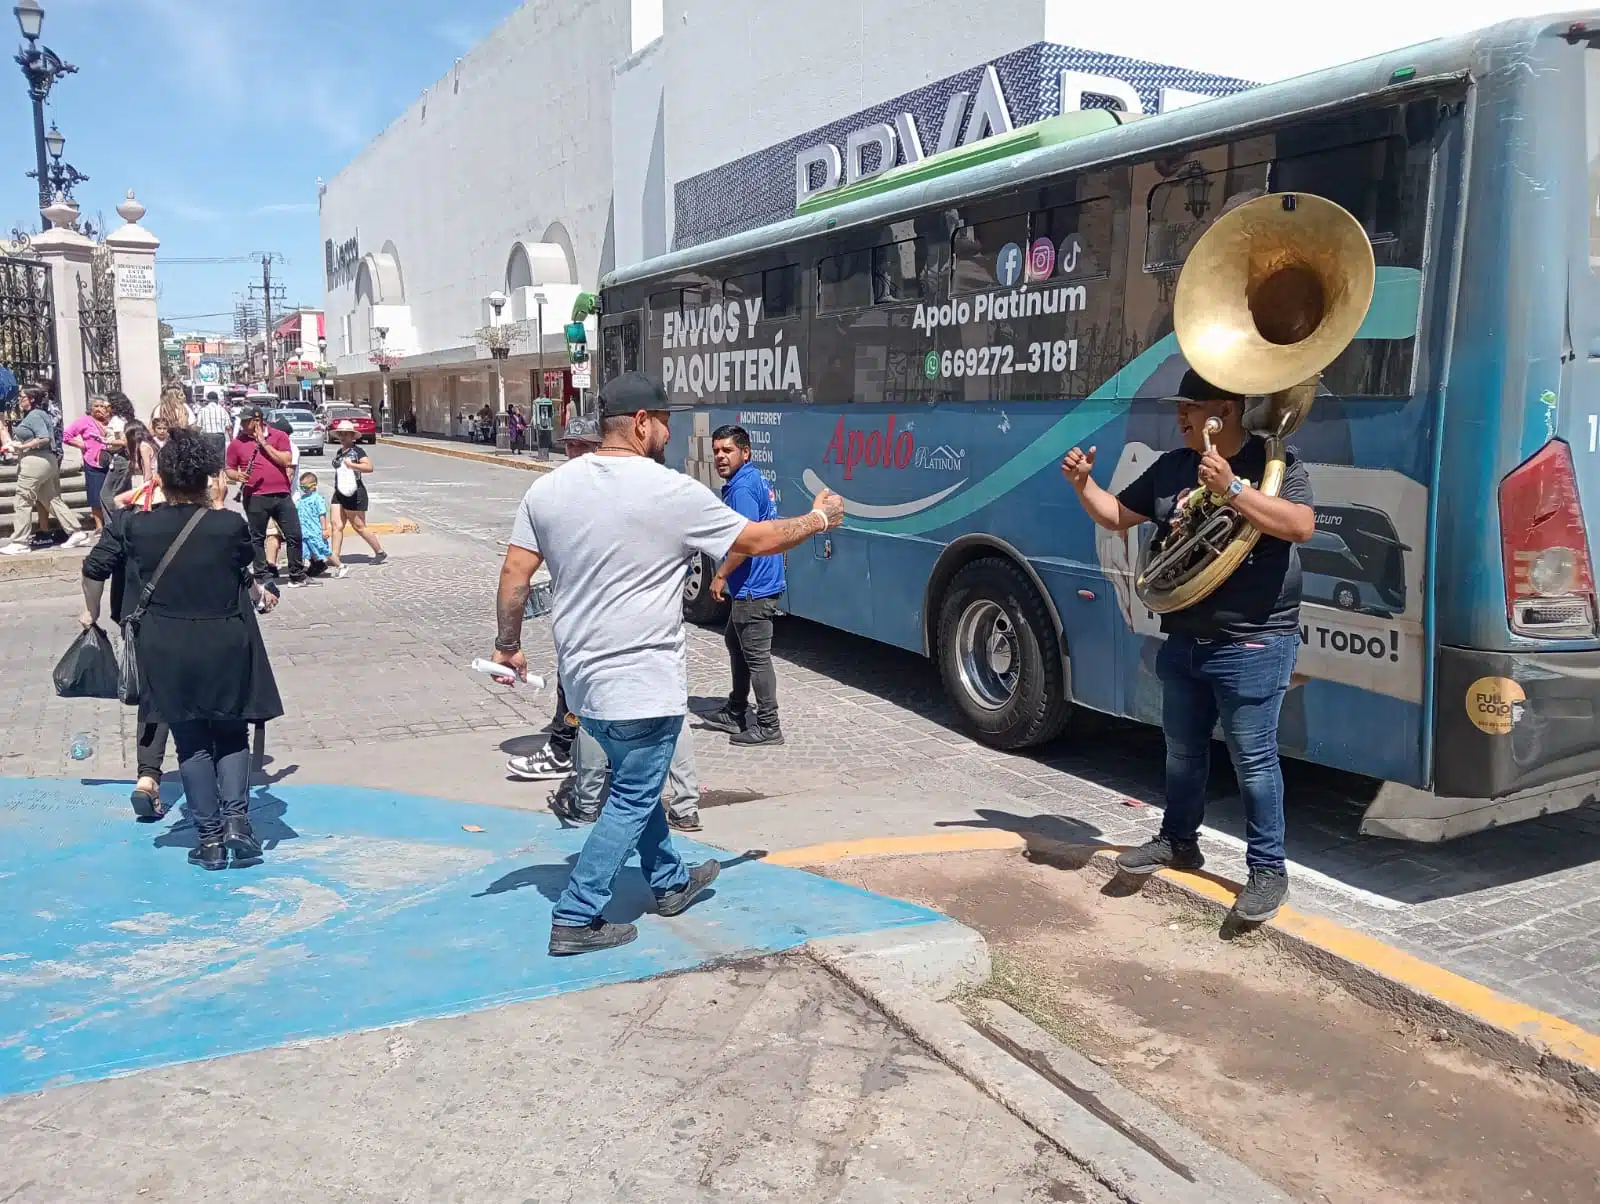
(1262, 895)
(684, 823)
(758, 735)
(591, 938)
(677, 902)
(209, 854)
(1161, 854)
(564, 802)
(724, 720)
(240, 840)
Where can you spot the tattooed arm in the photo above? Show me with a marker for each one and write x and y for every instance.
(781, 534)
(516, 574)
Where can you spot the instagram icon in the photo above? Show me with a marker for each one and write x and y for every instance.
(1041, 259)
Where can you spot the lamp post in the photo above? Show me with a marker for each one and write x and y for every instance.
(63, 176)
(41, 66)
(499, 348)
(385, 361)
(322, 370)
(540, 450)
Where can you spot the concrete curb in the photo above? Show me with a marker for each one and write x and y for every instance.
(1145, 1157)
(528, 465)
(1429, 1009)
(57, 562)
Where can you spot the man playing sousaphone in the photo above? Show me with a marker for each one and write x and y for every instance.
(1230, 655)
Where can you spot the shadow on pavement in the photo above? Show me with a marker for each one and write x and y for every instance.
(1324, 805)
(267, 813)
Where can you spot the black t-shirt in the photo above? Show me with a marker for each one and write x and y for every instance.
(353, 452)
(1262, 597)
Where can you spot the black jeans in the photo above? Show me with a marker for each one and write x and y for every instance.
(562, 733)
(152, 745)
(214, 762)
(749, 639)
(279, 508)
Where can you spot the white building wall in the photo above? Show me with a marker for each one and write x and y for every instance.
(638, 146)
(514, 138)
(740, 77)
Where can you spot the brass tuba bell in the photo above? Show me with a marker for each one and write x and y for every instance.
(1271, 295)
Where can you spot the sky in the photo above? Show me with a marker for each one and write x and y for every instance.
(221, 115)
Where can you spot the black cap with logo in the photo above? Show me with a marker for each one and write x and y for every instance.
(630, 393)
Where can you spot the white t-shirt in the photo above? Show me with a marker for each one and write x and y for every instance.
(617, 533)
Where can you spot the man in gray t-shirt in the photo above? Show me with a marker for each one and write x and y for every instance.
(617, 529)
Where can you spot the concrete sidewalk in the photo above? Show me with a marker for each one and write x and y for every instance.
(462, 449)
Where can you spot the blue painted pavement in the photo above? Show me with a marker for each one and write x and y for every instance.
(371, 909)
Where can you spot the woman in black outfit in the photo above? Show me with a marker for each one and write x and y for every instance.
(203, 667)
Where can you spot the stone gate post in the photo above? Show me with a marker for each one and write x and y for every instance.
(133, 252)
(68, 254)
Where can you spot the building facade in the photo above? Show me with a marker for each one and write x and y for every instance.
(565, 145)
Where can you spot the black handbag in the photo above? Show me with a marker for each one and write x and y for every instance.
(129, 684)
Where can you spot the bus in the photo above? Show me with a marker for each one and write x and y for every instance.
(930, 341)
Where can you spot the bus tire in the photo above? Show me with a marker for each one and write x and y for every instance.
(1000, 657)
(698, 605)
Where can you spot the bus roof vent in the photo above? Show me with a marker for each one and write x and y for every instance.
(1044, 133)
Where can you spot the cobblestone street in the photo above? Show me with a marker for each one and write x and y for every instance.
(375, 666)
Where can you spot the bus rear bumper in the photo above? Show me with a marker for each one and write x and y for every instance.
(1515, 738)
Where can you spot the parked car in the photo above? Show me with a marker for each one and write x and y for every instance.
(307, 433)
(367, 429)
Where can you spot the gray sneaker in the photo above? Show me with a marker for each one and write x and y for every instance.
(591, 938)
(1161, 854)
(1262, 895)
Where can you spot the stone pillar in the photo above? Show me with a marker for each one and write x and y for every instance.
(68, 254)
(133, 256)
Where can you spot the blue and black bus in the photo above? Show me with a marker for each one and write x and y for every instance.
(930, 341)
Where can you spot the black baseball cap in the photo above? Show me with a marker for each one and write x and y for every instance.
(630, 393)
(1194, 387)
(249, 412)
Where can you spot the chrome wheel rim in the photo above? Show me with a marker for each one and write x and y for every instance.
(987, 655)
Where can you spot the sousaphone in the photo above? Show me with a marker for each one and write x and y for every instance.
(1268, 298)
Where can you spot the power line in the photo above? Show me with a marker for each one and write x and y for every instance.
(165, 260)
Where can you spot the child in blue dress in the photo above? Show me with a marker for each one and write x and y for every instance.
(316, 533)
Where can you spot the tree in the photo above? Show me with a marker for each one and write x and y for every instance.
(166, 331)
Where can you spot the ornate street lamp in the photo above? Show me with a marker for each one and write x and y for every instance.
(63, 176)
(1197, 190)
(498, 341)
(41, 66)
(385, 362)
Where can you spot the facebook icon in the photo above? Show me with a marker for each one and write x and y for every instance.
(1008, 265)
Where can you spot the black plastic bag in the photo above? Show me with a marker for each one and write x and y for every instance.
(89, 667)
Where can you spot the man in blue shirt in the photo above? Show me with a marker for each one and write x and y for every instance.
(755, 584)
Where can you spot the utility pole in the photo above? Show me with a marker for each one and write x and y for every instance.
(269, 293)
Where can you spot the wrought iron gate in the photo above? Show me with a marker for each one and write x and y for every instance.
(97, 320)
(27, 320)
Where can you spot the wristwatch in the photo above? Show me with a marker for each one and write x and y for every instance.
(1235, 487)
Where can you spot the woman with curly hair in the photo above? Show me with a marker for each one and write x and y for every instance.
(203, 667)
(172, 412)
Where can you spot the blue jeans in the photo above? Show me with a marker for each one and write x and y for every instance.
(1243, 683)
(640, 752)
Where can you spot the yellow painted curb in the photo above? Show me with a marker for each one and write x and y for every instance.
(898, 846)
(400, 526)
(1561, 1038)
(527, 465)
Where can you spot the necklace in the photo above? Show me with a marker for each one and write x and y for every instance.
(627, 451)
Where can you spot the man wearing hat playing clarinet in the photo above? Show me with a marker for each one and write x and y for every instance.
(1230, 656)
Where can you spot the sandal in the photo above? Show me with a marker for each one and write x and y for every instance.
(147, 804)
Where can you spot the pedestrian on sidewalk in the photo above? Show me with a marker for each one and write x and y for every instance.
(202, 664)
(618, 528)
(754, 584)
(316, 535)
(173, 411)
(38, 451)
(517, 426)
(215, 423)
(259, 460)
(581, 796)
(138, 466)
(88, 435)
(115, 455)
(554, 760)
(351, 465)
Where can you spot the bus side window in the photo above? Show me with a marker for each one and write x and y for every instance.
(844, 282)
(976, 254)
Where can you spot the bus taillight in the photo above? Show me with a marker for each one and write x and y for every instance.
(1549, 581)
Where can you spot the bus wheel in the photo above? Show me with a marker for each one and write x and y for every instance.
(698, 604)
(999, 656)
